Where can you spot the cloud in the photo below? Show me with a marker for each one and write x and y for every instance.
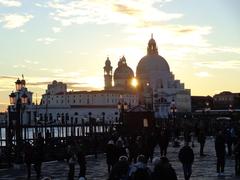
(124, 9)
(8, 77)
(138, 17)
(38, 83)
(171, 34)
(56, 29)
(12, 21)
(128, 12)
(31, 62)
(67, 75)
(19, 66)
(10, 3)
(202, 74)
(224, 64)
(46, 40)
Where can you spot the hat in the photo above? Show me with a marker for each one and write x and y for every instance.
(141, 158)
(123, 158)
(110, 142)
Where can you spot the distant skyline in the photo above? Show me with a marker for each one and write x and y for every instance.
(69, 41)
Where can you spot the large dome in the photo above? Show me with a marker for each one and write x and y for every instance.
(152, 63)
(123, 71)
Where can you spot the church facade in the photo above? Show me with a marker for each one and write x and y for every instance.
(157, 90)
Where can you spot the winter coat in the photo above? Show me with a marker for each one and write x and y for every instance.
(164, 171)
(186, 155)
(220, 146)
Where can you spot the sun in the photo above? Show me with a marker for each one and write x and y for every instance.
(134, 82)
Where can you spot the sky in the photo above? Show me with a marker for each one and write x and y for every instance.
(69, 41)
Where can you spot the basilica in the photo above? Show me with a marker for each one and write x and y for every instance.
(157, 91)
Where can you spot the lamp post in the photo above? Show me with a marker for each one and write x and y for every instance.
(59, 122)
(36, 129)
(90, 123)
(207, 121)
(173, 110)
(103, 121)
(122, 107)
(18, 105)
(230, 109)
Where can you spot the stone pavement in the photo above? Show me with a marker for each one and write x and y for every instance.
(204, 168)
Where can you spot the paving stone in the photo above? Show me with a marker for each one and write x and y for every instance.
(204, 168)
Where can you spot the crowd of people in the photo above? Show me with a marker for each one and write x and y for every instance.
(128, 156)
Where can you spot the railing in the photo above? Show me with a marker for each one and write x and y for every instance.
(30, 132)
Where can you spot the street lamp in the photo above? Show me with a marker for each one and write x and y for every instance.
(230, 108)
(173, 110)
(122, 107)
(18, 104)
(18, 84)
(103, 121)
(90, 123)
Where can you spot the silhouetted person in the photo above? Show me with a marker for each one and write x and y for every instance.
(71, 162)
(81, 161)
(120, 149)
(201, 140)
(163, 142)
(163, 170)
(186, 157)
(237, 157)
(229, 141)
(111, 155)
(28, 154)
(220, 152)
(120, 169)
(38, 153)
(140, 171)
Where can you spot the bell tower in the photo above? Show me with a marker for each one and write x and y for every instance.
(107, 74)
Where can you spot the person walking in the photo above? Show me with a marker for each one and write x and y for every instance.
(111, 155)
(72, 161)
(28, 154)
(163, 142)
(186, 157)
(38, 153)
(237, 157)
(220, 152)
(81, 160)
(201, 140)
(163, 170)
(139, 170)
(120, 170)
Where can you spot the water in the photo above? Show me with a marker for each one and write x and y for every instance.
(60, 131)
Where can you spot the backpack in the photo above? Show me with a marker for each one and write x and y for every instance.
(141, 174)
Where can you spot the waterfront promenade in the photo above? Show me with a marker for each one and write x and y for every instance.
(204, 168)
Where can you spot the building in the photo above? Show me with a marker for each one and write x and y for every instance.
(158, 91)
(158, 87)
(57, 103)
(3, 118)
(226, 100)
(201, 103)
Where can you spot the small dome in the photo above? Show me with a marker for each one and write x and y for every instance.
(123, 71)
(108, 62)
(18, 81)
